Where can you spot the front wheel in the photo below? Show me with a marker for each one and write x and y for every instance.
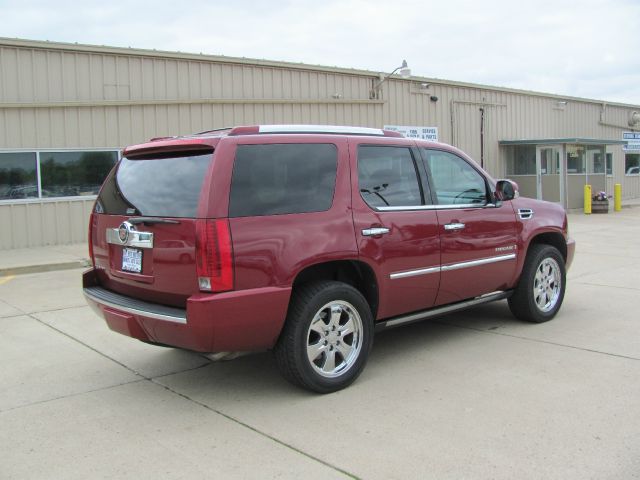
(327, 337)
(540, 291)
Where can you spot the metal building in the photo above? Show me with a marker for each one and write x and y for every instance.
(66, 110)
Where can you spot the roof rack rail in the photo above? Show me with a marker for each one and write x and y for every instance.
(213, 130)
(329, 129)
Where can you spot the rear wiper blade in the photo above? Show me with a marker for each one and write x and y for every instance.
(151, 220)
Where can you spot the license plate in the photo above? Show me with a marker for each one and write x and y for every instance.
(132, 260)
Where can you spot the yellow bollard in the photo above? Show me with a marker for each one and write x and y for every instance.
(617, 197)
(587, 199)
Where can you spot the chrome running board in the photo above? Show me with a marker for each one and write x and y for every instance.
(434, 312)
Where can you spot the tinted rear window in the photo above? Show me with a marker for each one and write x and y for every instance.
(160, 187)
(282, 178)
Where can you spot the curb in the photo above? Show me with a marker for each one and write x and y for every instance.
(48, 267)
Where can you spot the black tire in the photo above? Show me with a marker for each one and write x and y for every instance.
(310, 323)
(542, 285)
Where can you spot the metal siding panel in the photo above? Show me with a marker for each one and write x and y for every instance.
(9, 72)
(183, 83)
(85, 130)
(111, 125)
(247, 83)
(109, 79)
(236, 82)
(134, 77)
(192, 80)
(205, 80)
(77, 232)
(72, 128)
(19, 227)
(24, 75)
(147, 79)
(171, 79)
(159, 79)
(28, 127)
(123, 89)
(155, 121)
(12, 128)
(6, 234)
(83, 77)
(123, 125)
(34, 225)
(69, 88)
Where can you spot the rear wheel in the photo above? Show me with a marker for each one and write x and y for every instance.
(540, 291)
(327, 337)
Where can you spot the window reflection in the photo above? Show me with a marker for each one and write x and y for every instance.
(71, 174)
(18, 176)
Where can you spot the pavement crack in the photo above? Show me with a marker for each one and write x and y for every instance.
(71, 395)
(59, 309)
(609, 286)
(257, 431)
(89, 347)
(536, 340)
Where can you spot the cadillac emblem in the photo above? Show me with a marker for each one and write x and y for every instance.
(123, 231)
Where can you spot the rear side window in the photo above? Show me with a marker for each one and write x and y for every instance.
(387, 177)
(156, 187)
(283, 178)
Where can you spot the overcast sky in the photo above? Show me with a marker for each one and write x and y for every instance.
(585, 48)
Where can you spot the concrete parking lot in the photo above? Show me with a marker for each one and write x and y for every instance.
(473, 395)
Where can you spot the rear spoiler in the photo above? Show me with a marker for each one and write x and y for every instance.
(168, 148)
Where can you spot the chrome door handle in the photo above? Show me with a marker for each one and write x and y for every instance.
(454, 226)
(371, 232)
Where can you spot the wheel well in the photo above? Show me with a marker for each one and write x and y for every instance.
(554, 239)
(357, 274)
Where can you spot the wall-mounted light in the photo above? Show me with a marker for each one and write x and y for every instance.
(337, 96)
(634, 119)
(424, 86)
(405, 72)
(560, 105)
(433, 98)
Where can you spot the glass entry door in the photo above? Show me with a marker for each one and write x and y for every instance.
(550, 173)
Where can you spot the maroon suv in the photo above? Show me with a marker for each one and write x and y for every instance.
(305, 239)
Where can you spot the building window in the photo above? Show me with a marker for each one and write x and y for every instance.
(521, 160)
(576, 161)
(25, 175)
(632, 163)
(18, 175)
(595, 159)
(609, 163)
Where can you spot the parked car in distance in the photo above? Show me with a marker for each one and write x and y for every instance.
(633, 171)
(305, 239)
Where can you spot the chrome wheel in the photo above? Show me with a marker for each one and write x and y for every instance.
(547, 285)
(334, 339)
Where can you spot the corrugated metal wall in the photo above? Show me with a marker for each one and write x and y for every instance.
(66, 96)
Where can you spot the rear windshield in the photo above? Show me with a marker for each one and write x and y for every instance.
(155, 187)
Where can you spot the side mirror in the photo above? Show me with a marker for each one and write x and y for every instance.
(506, 190)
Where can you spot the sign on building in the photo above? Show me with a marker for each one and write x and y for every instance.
(633, 141)
(423, 133)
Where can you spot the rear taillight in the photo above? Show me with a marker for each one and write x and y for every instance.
(214, 257)
(92, 220)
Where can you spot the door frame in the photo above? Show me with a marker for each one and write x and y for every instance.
(561, 171)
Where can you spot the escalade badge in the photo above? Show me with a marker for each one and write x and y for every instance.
(123, 231)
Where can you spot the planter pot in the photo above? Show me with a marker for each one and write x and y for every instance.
(600, 206)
